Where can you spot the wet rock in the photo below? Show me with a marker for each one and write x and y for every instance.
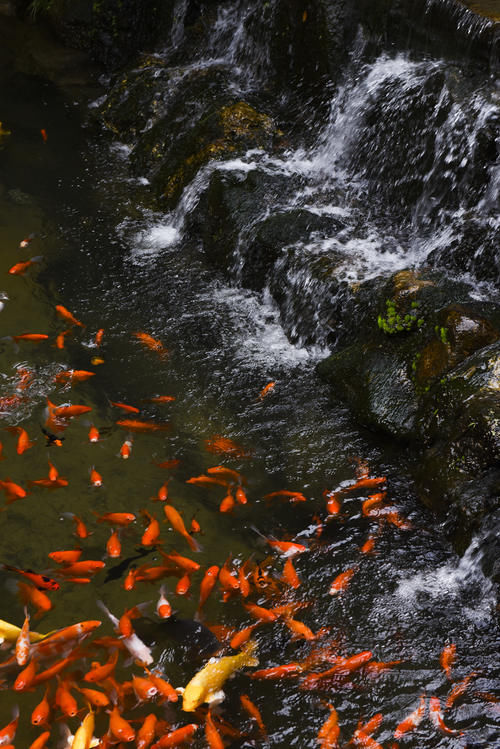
(436, 385)
(232, 202)
(460, 420)
(111, 30)
(442, 28)
(421, 337)
(473, 247)
(376, 385)
(232, 129)
(228, 204)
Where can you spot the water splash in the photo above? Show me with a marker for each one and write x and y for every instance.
(463, 581)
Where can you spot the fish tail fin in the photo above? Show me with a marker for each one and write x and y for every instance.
(248, 650)
(193, 543)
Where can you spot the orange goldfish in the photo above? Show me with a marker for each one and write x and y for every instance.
(73, 375)
(206, 481)
(96, 698)
(125, 407)
(447, 659)
(333, 504)
(163, 607)
(286, 671)
(290, 575)
(80, 527)
(269, 388)
(8, 733)
(292, 496)
(412, 721)
(177, 523)
(19, 269)
(60, 339)
(100, 672)
(66, 556)
(184, 584)
(152, 532)
(368, 545)
(135, 425)
(69, 412)
(126, 449)
(228, 473)
(241, 497)
(162, 494)
(30, 594)
(116, 518)
(261, 613)
(93, 434)
(113, 545)
(33, 337)
(459, 689)
(186, 564)
(224, 445)
(177, 737)
(329, 732)
(42, 582)
(227, 504)
(95, 477)
(66, 315)
(241, 637)
(119, 728)
(151, 343)
(41, 713)
(254, 712)
(341, 581)
(207, 584)
(436, 717)
(23, 441)
(82, 567)
(212, 735)
(65, 700)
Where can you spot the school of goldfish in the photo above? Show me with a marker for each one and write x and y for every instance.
(102, 690)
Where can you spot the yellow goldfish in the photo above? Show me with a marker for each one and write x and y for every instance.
(83, 738)
(10, 633)
(206, 686)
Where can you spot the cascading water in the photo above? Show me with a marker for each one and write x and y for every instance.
(403, 174)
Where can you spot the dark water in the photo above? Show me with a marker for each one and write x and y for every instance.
(121, 267)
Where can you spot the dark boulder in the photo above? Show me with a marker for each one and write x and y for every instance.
(430, 375)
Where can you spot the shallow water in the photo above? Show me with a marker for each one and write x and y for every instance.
(118, 266)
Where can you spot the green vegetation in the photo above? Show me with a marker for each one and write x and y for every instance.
(442, 334)
(394, 322)
(38, 7)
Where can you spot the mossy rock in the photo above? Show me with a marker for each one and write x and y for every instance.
(387, 375)
(133, 103)
(228, 131)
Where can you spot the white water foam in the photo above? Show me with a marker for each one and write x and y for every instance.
(462, 581)
(255, 320)
(148, 243)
